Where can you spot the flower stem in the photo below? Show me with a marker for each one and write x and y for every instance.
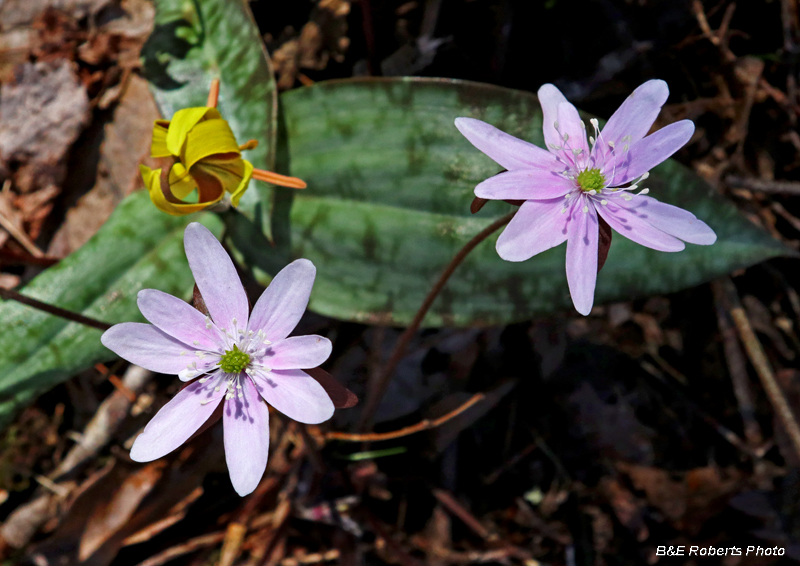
(377, 392)
(9, 295)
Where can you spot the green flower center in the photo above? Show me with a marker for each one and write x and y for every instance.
(234, 361)
(591, 180)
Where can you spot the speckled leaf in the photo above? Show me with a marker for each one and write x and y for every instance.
(196, 41)
(137, 248)
(390, 181)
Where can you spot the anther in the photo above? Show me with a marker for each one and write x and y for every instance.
(585, 209)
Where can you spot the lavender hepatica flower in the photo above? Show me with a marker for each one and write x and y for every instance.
(230, 357)
(564, 189)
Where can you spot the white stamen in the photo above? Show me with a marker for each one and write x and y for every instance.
(644, 191)
(566, 137)
(208, 322)
(626, 196)
(183, 353)
(591, 140)
(604, 202)
(611, 144)
(583, 125)
(555, 124)
(586, 209)
(577, 152)
(564, 210)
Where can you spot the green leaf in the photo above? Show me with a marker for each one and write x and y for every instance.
(137, 248)
(196, 41)
(390, 181)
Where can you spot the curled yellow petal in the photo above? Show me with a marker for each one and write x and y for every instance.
(158, 147)
(182, 122)
(152, 180)
(210, 138)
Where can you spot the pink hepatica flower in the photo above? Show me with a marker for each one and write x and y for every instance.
(565, 188)
(229, 357)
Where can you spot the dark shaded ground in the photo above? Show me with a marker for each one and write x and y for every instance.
(597, 439)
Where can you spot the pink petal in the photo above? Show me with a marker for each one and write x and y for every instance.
(297, 352)
(671, 219)
(649, 152)
(178, 319)
(525, 184)
(295, 394)
(216, 278)
(537, 226)
(506, 150)
(570, 124)
(636, 114)
(631, 225)
(147, 346)
(550, 97)
(282, 304)
(245, 421)
(582, 255)
(177, 421)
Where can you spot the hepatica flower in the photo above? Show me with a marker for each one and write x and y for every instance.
(566, 187)
(230, 357)
(199, 153)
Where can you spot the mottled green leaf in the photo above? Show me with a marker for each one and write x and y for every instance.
(390, 180)
(137, 248)
(196, 41)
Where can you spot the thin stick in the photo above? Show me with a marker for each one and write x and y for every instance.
(9, 295)
(278, 179)
(759, 360)
(425, 424)
(737, 366)
(20, 236)
(213, 94)
(376, 393)
(764, 186)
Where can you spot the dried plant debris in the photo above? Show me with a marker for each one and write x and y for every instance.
(323, 38)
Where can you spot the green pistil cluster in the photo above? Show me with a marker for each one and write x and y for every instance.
(234, 361)
(591, 180)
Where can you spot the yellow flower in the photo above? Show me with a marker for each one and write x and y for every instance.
(199, 152)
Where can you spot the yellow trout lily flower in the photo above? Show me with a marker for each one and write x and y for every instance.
(198, 151)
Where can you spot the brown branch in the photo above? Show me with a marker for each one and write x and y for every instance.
(425, 424)
(759, 360)
(376, 393)
(9, 295)
(764, 186)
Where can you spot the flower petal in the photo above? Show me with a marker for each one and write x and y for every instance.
(297, 352)
(209, 138)
(671, 219)
(526, 184)
(631, 225)
(282, 304)
(650, 151)
(152, 180)
(537, 226)
(178, 319)
(571, 125)
(245, 421)
(177, 421)
(181, 124)
(216, 278)
(147, 346)
(506, 150)
(582, 255)
(295, 394)
(636, 114)
(550, 97)
(158, 147)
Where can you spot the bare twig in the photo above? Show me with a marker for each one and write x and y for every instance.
(737, 366)
(9, 295)
(378, 389)
(764, 186)
(759, 360)
(203, 541)
(20, 236)
(425, 424)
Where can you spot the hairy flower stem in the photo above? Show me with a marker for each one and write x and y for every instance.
(378, 390)
(9, 295)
